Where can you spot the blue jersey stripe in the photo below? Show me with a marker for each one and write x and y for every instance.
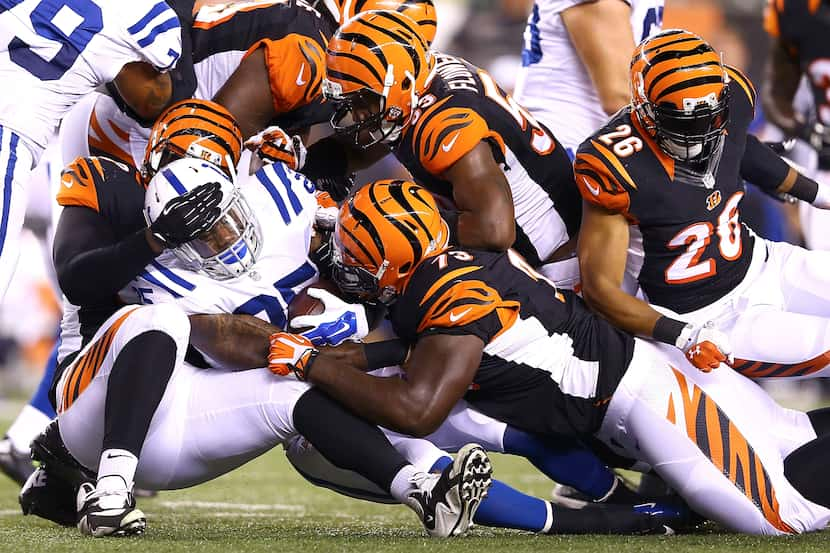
(297, 277)
(7, 186)
(173, 276)
(154, 12)
(172, 23)
(174, 181)
(292, 197)
(269, 186)
(153, 280)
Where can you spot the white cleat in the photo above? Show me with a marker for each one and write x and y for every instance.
(108, 513)
(447, 502)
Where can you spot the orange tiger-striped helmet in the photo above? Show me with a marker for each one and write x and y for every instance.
(377, 65)
(193, 128)
(421, 12)
(383, 232)
(680, 93)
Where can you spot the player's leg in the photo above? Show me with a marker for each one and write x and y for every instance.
(784, 331)
(16, 164)
(107, 399)
(706, 436)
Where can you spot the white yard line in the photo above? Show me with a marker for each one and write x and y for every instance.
(231, 506)
(10, 512)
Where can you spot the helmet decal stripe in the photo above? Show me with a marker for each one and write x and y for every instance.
(397, 192)
(365, 221)
(174, 181)
(364, 40)
(409, 234)
(660, 46)
(359, 244)
(672, 71)
(352, 78)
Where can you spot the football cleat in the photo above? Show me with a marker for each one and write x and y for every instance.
(15, 464)
(49, 496)
(108, 513)
(447, 502)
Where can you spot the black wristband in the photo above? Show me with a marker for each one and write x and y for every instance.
(667, 330)
(303, 373)
(325, 158)
(384, 354)
(804, 188)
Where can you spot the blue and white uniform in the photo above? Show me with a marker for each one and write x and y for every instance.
(53, 53)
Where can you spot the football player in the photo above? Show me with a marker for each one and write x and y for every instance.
(799, 53)
(125, 399)
(91, 43)
(672, 166)
(485, 326)
(455, 130)
(574, 71)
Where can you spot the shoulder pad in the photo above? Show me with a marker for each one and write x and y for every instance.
(444, 133)
(92, 181)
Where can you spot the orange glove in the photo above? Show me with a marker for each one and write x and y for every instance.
(327, 210)
(709, 348)
(291, 353)
(274, 144)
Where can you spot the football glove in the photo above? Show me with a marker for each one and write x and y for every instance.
(291, 353)
(339, 322)
(338, 187)
(274, 144)
(188, 216)
(326, 214)
(705, 347)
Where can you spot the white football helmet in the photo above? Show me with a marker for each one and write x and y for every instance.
(232, 245)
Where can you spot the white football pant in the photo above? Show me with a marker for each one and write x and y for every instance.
(16, 164)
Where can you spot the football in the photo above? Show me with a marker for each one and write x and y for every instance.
(303, 304)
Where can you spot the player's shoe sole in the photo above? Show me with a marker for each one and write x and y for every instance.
(473, 467)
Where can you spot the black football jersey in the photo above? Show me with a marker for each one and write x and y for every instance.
(463, 106)
(294, 37)
(696, 248)
(549, 364)
(803, 27)
(118, 197)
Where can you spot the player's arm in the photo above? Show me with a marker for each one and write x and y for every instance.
(90, 263)
(234, 340)
(780, 86)
(604, 45)
(144, 89)
(247, 94)
(602, 251)
(766, 169)
(438, 373)
(482, 195)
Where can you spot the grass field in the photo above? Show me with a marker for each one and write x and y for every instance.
(266, 506)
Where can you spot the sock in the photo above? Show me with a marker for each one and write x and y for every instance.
(25, 428)
(564, 460)
(506, 507)
(346, 440)
(40, 400)
(116, 470)
(401, 485)
(806, 469)
(141, 370)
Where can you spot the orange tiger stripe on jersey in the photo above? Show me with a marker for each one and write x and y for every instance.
(78, 184)
(722, 442)
(204, 24)
(747, 86)
(758, 369)
(457, 273)
(296, 66)
(100, 141)
(87, 365)
(615, 163)
(464, 302)
(665, 160)
(447, 136)
(597, 186)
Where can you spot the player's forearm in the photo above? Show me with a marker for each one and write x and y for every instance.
(782, 81)
(621, 309)
(388, 402)
(239, 341)
(146, 91)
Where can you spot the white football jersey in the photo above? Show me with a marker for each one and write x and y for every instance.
(53, 52)
(553, 83)
(284, 204)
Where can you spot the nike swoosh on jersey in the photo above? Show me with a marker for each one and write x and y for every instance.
(67, 182)
(447, 146)
(593, 189)
(455, 316)
(300, 81)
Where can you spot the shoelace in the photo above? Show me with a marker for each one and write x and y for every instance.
(421, 481)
